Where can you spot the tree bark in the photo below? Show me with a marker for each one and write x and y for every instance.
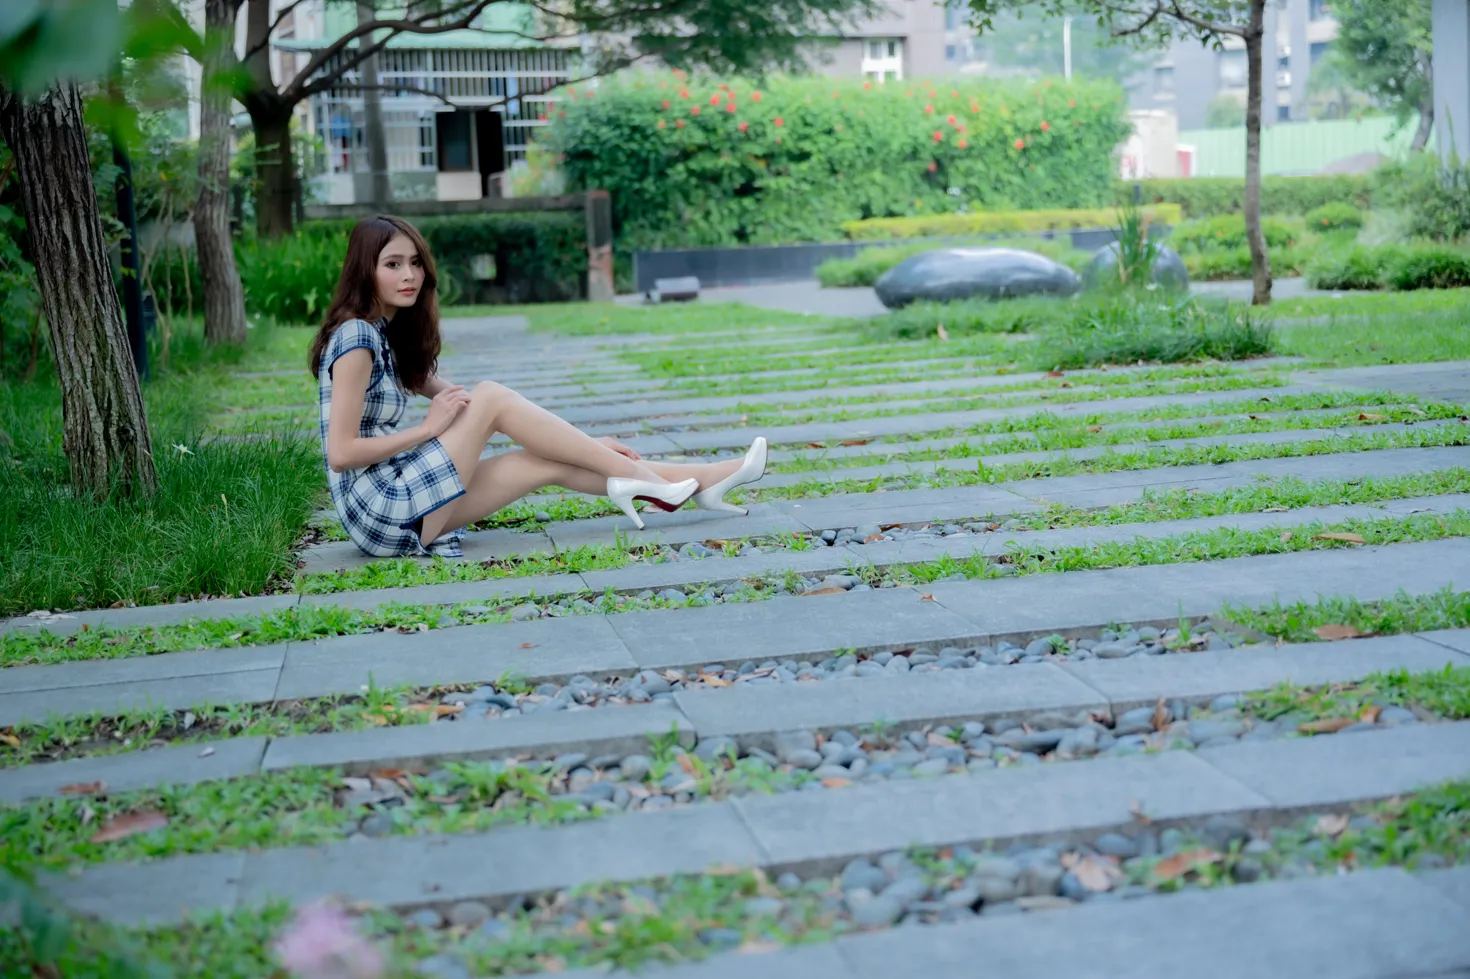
(1260, 260)
(1426, 108)
(224, 297)
(372, 119)
(105, 429)
(275, 167)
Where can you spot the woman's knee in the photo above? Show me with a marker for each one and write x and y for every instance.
(490, 398)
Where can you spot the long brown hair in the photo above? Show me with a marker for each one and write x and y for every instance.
(413, 332)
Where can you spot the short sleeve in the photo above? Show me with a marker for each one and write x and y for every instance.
(349, 336)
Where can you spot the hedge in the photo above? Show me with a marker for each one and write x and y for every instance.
(1218, 264)
(1335, 217)
(701, 163)
(1228, 231)
(1209, 196)
(539, 257)
(1001, 222)
(1392, 266)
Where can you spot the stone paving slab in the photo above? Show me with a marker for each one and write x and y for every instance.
(490, 591)
(549, 648)
(244, 687)
(180, 764)
(123, 618)
(1446, 381)
(135, 894)
(906, 424)
(758, 713)
(509, 861)
(479, 546)
(1455, 639)
(783, 628)
(813, 831)
(594, 731)
(680, 527)
(1314, 772)
(142, 669)
(1454, 882)
(1067, 603)
(1373, 924)
(818, 832)
(1200, 677)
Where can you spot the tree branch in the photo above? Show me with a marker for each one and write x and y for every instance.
(271, 30)
(1204, 25)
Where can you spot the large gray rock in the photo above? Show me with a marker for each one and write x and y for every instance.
(1168, 268)
(947, 274)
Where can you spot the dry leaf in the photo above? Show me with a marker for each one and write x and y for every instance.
(826, 591)
(1276, 509)
(84, 788)
(447, 710)
(875, 537)
(1336, 632)
(1095, 873)
(1065, 384)
(1364, 416)
(942, 333)
(1054, 374)
(1094, 428)
(1285, 535)
(836, 783)
(1172, 868)
(1418, 411)
(1331, 824)
(10, 739)
(753, 947)
(686, 763)
(926, 597)
(379, 720)
(852, 443)
(709, 679)
(1326, 725)
(527, 645)
(939, 741)
(725, 870)
(1370, 714)
(1135, 809)
(1160, 715)
(1345, 538)
(388, 774)
(815, 445)
(130, 824)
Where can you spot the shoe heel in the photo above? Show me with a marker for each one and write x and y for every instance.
(627, 507)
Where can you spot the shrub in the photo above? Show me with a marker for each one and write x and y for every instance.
(538, 257)
(1228, 231)
(1208, 196)
(1000, 222)
(864, 268)
(796, 158)
(1422, 266)
(1128, 330)
(1350, 266)
(1335, 217)
(1216, 264)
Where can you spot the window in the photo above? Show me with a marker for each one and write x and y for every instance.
(455, 151)
(1319, 9)
(1283, 113)
(883, 59)
(1232, 69)
(1319, 48)
(1164, 80)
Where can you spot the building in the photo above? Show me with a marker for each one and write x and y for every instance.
(909, 40)
(1190, 77)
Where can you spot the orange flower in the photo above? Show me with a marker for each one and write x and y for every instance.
(543, 117)
(974, 106)
(933, 165)
(724, 88)
(664, 125)
(714, 99)
(694, 110)
(743, 126)
(929, 110)
(778, 139)
(1045, 125)
(963, 143)
(779, 122)
(867, 85)
(683, 93)
(938, 136)
(729, 106)
(666, 103)
(950, 119)
(1071, 103)
(678, 123)
(1019, 144)
(755, 96)
(954, 94)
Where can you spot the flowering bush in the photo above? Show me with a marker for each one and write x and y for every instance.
(793, 159)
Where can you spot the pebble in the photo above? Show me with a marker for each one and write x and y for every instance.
(468, 914)
(522, 613)
(376, 824)
(635, 768)
(880, 912)
(425, 918)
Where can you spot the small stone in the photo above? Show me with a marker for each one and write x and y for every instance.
(994, 890)
(934, 766)
(1221, 832)
(804, 758)
(721, 937)
(522, 613)
(1116, 845)
(541, 516)
(1041, 880)
(443, 967)
(1228, 701)
(710, 749)
(862, 875)
(1247, 870)
(468, 914)
(788, 881)
(764, 907)
(376, 824)
(788, 742)
(880, 912)
(425, 918)
(1072, 888)
(636, 767)
(1039, 647)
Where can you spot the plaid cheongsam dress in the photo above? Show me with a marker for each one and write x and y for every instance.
(380, 507)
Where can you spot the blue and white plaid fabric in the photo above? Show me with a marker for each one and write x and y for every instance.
(380, 506)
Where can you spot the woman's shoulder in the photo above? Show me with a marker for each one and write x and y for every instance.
(355, 332)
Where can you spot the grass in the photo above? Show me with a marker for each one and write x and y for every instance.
(1409, 338)
(1128, 332)
(1394, 304)
(408, 572)
(1446, 609)
(598, 319)
(1444, 693)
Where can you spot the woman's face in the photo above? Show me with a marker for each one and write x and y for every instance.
(400, 274)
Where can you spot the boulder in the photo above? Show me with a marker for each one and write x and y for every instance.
(947, 274)
(1168, 267)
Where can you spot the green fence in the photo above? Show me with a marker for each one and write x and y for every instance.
(1297, 147)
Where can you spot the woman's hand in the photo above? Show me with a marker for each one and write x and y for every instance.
(444, 409)
(620, 448)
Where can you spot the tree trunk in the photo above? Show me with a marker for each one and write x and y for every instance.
(275, 169)
(1260, 260)
(1426, 108)
(224, 297)
(105, 430)
(372, 118)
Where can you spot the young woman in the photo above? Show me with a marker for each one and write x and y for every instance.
(412, 490)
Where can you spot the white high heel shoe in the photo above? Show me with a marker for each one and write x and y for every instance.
(665, 496)
(752, 469)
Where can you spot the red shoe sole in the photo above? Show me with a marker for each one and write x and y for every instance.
(666, 507)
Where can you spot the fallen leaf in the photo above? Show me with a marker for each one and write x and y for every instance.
(815, 445)
(1345, 538)
(1054, 374)
(1331, 632)
(1094, 428)
(1364, 416)
(1172, 868)
(926, 597)
(389, 774)
(725, 870)
(1065, 384)
(875, 537)
(686, 763)
(1285, 535)
(1276, 509)
(447, 710)
(825, 591)
(1160, 715)
(1417, 411)
(1095, 873)
(941, 332)
(528, 645)
(852, 443)
(709, 679)
(637, 904)
(130, 824)
(1370, 714)
(885, 527)
(753, 947)
(939, 741)
(10, 739)
(206, 752)
(1135, 809)
(1331, 824)
(836, 783)
(443, 800)
(1326, 725)
(1254, 418)
(84, 788)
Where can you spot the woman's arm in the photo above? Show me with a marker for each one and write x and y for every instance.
(346, 449)
(433, 386)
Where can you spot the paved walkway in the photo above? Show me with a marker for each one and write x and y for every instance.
(1001, 715)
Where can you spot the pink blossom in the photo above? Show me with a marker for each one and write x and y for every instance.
(322, 943)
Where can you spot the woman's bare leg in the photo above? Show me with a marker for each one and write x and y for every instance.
(708, 473)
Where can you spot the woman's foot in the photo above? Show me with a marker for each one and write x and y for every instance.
(665, 496)
(752, 469)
